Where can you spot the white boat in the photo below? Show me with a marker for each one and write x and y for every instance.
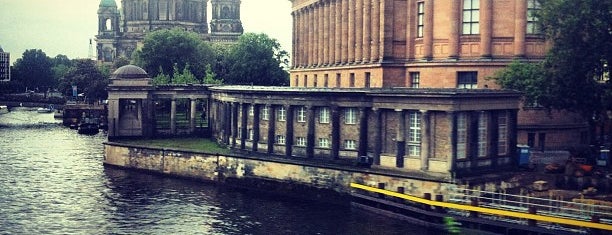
(44, 110)
(3, 109)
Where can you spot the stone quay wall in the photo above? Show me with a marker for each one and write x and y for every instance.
(267, 173)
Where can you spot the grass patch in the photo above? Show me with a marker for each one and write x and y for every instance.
(196, 144)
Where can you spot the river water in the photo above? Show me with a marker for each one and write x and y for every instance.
(52, 181)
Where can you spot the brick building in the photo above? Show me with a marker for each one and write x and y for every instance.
(425, 44)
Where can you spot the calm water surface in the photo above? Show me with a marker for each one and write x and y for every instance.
(52, 181)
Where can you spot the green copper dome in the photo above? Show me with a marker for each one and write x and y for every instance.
(108, 3)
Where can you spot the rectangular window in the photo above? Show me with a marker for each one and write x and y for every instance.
(305, 80)
(483, 135)
(471, 16)
(323, 143)
(415, 79)
(251, 134)
(265, 113)
(326, 80)
(352, 80)
(350, 116)
(533, 7)
(280, 139)
(502, 130)
(467, 80)
(316, 77)
(367, 79)
(462, 136)
(300, 141)
(324, 115)
(297, 80)
(420, 19)
(251, 110)
(281, 114)
(350, 144)
(338, 80)
(414, 134)
(301, 114)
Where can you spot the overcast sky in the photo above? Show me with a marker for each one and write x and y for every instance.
(65, 26)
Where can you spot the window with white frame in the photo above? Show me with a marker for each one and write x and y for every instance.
(420, 19)
(467, 80)
(281, 114)
(323, 143)
(280, 139)
(301, 114)
(462, 137)
(300, 141)
(251, 134)
(482, 134)
(415, 79)
(471, 16)
(265, 113)
(350, 144)
(533, 7)
(414, 134)
(502, 131)
(324, 115)
(251, 110)
(350, 116)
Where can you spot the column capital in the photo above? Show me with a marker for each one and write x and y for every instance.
(399, 110)
(424, 111)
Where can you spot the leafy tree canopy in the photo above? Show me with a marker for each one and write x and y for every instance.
(33, 70)
(88, 78)
(257, 59)
(176, 48)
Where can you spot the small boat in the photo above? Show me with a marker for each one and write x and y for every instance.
(3, 109)
(45, 109)
(88, 126)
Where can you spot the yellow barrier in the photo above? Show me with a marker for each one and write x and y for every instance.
(498, 212)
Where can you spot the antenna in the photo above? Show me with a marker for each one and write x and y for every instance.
(90, 56)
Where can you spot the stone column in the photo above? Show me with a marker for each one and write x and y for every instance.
(331, 19)
(512, 135)
(453, 39)
(338, 31)
(492, 138)
(359, 31)
(425, 140)
(310, 36)
(345, 31)
(302, 39)
(192, 115)
(486, 20)
(452, 135)
(410, 29)
(377, 135)
(173, 116)
(400, 138)
(325, 32)
(351, 31)
(289, 131)
(363, 132)
(520, 27)
(243, 124)
(315, 34)
(234, 123)
(367, 34)
(375, 32)
(294, 16)
(255, 127)
(428, 30)
(310, 136)
(271, 128)
(335, 126)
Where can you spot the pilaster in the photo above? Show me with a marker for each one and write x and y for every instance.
(425, 140)
(310, 136)
(256, 118)
(400, 138)
(520, 27)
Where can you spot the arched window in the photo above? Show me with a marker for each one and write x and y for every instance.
(108, 25)
(225, 12)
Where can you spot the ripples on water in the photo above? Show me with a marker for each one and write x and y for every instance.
(52, 182)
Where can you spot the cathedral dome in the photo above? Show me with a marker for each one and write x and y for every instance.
(108, 3)
(129, 72)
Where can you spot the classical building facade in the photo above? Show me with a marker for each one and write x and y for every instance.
(424, 44)
(444, 131)
(5, 66)
(122, 31)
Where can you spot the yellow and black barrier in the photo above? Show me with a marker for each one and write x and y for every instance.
(498, 212)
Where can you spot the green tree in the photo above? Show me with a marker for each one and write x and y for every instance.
(257, 59)
(211, 77)
(580, 32)
(62, 65)
(167, 48)
(89, 80)
(33, 70)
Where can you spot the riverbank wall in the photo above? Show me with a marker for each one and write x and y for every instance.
(319, 179)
